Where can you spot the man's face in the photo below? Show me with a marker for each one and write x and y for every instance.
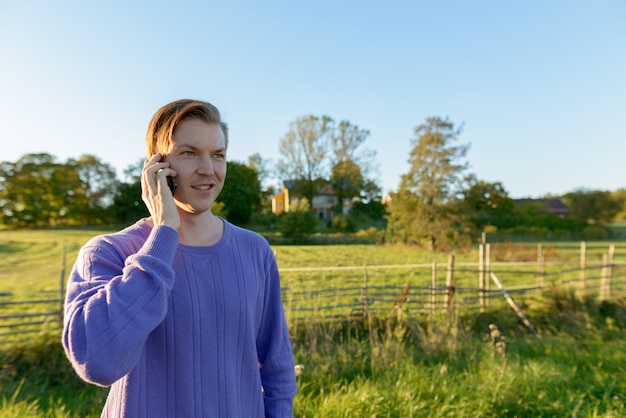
(198, 155)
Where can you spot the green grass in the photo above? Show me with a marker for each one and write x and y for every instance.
(414, 364)
(401, 366)
(441, 368)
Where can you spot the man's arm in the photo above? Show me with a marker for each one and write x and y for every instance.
(275, 353)
(112, 304)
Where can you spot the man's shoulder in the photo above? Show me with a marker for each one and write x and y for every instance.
(239, 232)
(129, 236)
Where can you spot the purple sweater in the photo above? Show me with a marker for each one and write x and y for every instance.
(177, 330)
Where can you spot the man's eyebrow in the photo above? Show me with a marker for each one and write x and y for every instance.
(187, 146)
(195, 148)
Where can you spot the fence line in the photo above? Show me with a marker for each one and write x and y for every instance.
(332, 302)
(13, 325)
(358, 297)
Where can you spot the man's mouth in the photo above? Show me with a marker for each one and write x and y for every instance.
(203, 187)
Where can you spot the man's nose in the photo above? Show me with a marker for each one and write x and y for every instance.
(206, 166)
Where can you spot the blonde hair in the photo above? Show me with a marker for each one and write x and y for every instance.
(164, 121)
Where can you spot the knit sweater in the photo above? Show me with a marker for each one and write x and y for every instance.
(177, 330)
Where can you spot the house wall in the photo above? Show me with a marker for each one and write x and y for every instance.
(323, 204)
(280, 202)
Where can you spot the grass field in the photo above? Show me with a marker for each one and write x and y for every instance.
(400, 365)
(32, 261)
(34, 264)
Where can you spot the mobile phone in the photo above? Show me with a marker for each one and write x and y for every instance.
(172, 183)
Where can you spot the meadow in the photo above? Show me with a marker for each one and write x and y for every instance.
(398, 361)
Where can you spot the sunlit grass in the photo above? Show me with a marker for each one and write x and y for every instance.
(415, 364)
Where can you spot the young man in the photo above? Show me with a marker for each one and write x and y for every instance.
(181, 313)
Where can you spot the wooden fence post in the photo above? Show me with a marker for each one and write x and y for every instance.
(541, 270)
(604, 279)
(611, 254)
(433, 288)
(583, 266)
(481, 275)
(450, 283)
(364, 296)
(607, 272)
(509, 299)
(487, 272)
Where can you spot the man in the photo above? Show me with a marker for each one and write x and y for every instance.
(181, 313)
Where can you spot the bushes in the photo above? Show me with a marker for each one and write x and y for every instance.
(299, 221)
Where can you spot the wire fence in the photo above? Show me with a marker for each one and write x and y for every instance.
(449, 289)
(336, 293)
(15, 326)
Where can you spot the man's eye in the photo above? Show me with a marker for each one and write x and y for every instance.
(187, 153)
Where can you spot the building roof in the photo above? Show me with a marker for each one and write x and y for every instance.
(553, 204)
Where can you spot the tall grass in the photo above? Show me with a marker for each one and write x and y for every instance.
(392, 362)
(400, 365)
(470, 367)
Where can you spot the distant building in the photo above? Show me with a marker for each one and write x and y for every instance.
(323, 203)
(552, 204)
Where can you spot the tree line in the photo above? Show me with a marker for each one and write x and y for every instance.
(39, 191)
(438, 202)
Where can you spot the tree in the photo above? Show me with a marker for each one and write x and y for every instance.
(37, 191)
(299, 221)
(261, 166)
(426, 207)
(264, 171)
(347, 181)
(620, 196)
(592, 205)
(128, 205)
(316, 150)
(241, 192)
(351, 164)
(304, 148)
(99, 187)
(364, 214)
(488, 204)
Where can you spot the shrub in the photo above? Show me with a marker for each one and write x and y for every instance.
(596, 231)
(299, 221)
(340, 223)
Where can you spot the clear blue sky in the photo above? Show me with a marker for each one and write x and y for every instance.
(539, 86)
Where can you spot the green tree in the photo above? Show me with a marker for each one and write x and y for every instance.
(241, 192)
(351, 164)
(426, 207)
(488, 204)
(128, 205)
(620, 196)
(595, 206)
(299, 221)
(99, 187)
(264, 172)
(36, 191)
(347, 181)
(304, 149)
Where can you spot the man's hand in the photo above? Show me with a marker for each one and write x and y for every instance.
(156, 194)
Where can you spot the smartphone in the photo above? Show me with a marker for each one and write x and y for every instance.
(172, 183)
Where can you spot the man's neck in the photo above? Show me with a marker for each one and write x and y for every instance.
(200, 230)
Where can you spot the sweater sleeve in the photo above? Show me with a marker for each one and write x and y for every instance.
(275, 353)
(114, 299)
